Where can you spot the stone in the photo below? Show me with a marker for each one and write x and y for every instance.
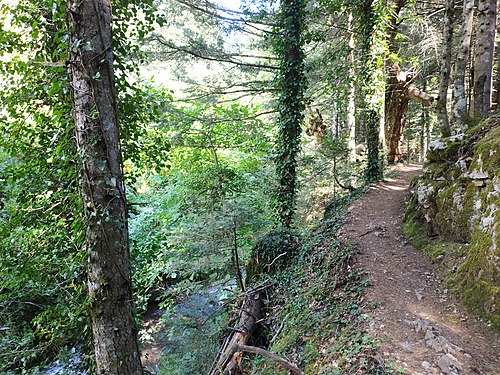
(478, 183)
(418, 295)
(426, 366)
(437, 145)
(449, 365)
(478, 175)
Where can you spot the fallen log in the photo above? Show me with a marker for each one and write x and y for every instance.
(229, 360)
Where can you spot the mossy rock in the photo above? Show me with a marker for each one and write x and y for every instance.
(451, 221)
(458, 198)
(272, 253)
(487, 154)
(446, 149)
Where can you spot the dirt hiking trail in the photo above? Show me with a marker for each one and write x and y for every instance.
(426, 330)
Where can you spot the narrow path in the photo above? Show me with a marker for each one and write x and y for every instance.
(426, 328)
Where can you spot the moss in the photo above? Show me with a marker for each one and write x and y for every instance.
(415, 231)
(448, 153)
(274, 252)
(477, 127)
(459, 211)
(450, 221)
(487, 153)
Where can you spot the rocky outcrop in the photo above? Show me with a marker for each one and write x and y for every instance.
(457, 200)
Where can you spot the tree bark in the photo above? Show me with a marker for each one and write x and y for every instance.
(495, 104)
(351, 116)
(396, 98)
(374, 169)
(97, 141)
(398, 92)
(444, 74)
(459, 113)
(483, 59)
(370, 25)
(396, 107)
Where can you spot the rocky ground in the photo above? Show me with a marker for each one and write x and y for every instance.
(424, 329)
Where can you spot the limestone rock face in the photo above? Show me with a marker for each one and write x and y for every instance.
(458, 200)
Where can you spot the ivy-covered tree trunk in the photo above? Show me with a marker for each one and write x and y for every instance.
(445, 69)
(97, 140)
(459, 112)
(370, 22)
(351, 96)
(291, 83)
(374, 168)
(483, 58)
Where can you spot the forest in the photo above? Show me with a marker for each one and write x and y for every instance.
(175, 177)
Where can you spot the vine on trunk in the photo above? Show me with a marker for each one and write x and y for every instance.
(291, 83)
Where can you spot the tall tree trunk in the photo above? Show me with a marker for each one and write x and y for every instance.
(370, 22)
(398, 91)
(495, 105)
(421, 135)
(291, 106)
(444, 74)
(396, 98)
(396, 107)
(351, 115)
(97, 140)
(483, 59)
(461, 63)
(374, 168)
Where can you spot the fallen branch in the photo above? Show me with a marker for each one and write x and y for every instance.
(252, 349)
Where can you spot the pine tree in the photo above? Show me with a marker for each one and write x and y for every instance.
(97, 140)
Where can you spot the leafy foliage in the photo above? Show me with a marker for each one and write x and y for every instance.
(193, 213)
(43, 289)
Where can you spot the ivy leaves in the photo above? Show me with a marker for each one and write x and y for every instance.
(291, 84)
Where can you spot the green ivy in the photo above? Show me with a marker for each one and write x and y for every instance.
(291, 84)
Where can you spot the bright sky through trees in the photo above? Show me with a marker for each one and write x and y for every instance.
(229, 4)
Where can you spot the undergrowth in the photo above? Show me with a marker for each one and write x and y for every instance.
(315, 318)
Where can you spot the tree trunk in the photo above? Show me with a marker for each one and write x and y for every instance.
(97, 141)
(396, 106)
(444, 74)
(396, 98)
(461, 63)
(483, 59)
(495, 105)
(291, 106)
(374, 169)
(371, 26)
(351, 115)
